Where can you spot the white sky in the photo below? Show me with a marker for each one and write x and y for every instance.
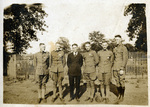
(75, 19)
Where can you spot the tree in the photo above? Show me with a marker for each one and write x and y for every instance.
(130, 47)
(21, 23)
(64, 42)
(137, 25)
(96, 37)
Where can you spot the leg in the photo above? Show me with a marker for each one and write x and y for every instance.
(44, 81)
(88, 85)
(54, 78)
(92, 77)
(60, 79)
(78, 78)
(122, 90)
(92, 90)
(86, 77)
(39, 79)
(117, 78)
(71, 82)
(102, 86)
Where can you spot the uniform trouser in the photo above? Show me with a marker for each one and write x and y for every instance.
(120, 82)
(72, 80)
(120, 79)
(57, 78)
(90, 78)
(42, 80)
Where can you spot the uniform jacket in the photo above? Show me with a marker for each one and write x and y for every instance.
(74, 64)
(58, 61)
(91, 59)
(41, 63)
(121, 57)
(106, 58)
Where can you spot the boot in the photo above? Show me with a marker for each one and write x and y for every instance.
(39, 96)
(122, 94)
(43, 96)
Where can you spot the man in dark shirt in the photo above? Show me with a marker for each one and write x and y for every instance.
(74, 63)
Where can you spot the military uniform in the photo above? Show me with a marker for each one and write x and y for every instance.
(90, 60)
(105, 66)
(57, 63)
(41, 63)
(120, 61)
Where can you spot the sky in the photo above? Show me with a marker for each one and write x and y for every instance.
(75, 19)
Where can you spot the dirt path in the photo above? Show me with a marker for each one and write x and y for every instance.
(25, 92)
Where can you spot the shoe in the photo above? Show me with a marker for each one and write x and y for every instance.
(77, 99)
(53, 99)
(44, 100)
(70, 99)
(39, 100)
(61, 99)
(88, 98)
(91, 99)
(106, 100)
(117, 100)
(121, 99)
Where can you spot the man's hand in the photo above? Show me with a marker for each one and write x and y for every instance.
(121, 72)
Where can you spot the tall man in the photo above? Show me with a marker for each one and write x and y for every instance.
(104, 70)
(120, 61)
(91, 59)
(41, 63)
(58, 62)
(74, 62)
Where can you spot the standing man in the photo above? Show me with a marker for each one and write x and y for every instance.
(91, 59)
(41, 62)
(120, 61)
(58, 63)
(104, 70)
(74, 63)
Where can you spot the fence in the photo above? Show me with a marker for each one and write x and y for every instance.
(137, 63)
(24, 65)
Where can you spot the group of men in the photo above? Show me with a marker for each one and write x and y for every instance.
(102, 65)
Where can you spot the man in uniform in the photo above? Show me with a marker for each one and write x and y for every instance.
(104, 70)
(74, 62)
(41, 63)
(91, 60)
(120, 61)
(58, 63)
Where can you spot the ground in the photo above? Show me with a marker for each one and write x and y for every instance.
(25, 92)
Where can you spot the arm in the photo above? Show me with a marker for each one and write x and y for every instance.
(125, 58)
(96, 58)
(112, 58)
(64, 60)
(35, 61)
(50, 60)
(81, 61)
(68, 61)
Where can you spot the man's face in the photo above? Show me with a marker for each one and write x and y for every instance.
(87, 47)
(104, 45)
(118, 40)
(42, 47)
(74, 48)
(57, 46)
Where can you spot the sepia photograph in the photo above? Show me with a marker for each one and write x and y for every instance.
(75, 52)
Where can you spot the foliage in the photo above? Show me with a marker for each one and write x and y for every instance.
(21, 23)
(96, 38)
(137, 25)
(64, 42)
